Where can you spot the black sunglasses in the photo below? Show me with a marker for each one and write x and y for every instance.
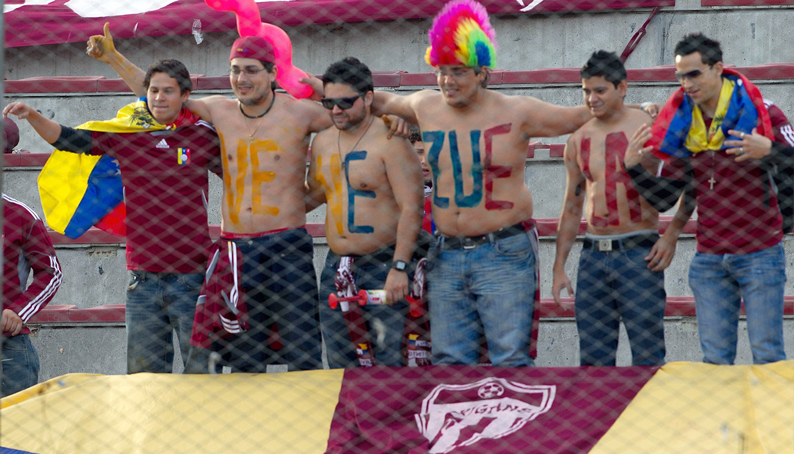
(343, 103)
(688, 75)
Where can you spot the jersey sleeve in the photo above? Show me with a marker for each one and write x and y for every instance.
(47, 276)
(662, 190)
(784, 133)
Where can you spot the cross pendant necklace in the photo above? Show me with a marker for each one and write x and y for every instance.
(261, 119)
(339, 148)
(711, 180)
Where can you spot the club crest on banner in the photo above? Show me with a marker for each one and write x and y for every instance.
(490, 408)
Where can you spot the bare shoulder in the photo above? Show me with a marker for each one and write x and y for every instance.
(637, 116)
(309, 114)
(425, 98)
(304, 106)
(216, 101)
(583, 131)
(323, 140)
(528, 103)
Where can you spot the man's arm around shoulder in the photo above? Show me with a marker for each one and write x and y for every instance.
(541, 119)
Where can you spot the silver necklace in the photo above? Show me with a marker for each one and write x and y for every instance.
(339, 147)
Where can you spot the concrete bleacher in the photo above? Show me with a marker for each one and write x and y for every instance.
(82, 331)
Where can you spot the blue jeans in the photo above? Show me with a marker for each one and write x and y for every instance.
(486, 290)
(20, 364)
(385, 324)
(614, 285)
(157, 305)
(280, 290)
(719, 282)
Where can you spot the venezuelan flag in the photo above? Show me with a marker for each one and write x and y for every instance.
(672, 135)
(80, 191)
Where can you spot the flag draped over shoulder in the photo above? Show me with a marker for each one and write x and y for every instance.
(679, 130)
(79, 191)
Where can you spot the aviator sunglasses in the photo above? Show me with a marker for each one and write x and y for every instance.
(343, 103)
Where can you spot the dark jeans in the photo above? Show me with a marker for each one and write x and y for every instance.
(385, 324)
(614, 285)
(20, 364)
(157, 305)
(280, 289)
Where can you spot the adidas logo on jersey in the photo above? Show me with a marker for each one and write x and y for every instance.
(162, 144)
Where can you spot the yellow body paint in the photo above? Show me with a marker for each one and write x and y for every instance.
(235, 190)
(260, 177)
(335, 202)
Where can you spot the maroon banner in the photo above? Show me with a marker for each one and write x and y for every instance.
(464, 409)
(66, 21)
(745, 2)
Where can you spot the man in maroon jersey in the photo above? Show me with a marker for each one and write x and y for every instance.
(26, 247)
(740, 255)
(164, 173)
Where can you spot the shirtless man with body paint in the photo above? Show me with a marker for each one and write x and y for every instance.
(264, 139)
(483, 275)
(621, 267)
(373, 188)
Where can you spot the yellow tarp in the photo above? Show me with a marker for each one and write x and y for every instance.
(702, 408)
(165, 413)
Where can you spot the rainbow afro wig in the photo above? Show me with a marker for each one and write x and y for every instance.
(462, 35)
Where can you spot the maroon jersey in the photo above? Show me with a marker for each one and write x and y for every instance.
(165, 189)
(26, 247)
(784, 133)
(737, 204)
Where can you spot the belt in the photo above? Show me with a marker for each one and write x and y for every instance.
(245, 236)
(471, 242)
(623, 243)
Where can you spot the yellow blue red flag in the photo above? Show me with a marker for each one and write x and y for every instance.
(79, 191)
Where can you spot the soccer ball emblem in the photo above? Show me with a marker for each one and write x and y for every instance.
(490, 390)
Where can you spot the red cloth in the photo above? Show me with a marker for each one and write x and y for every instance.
(221, 310)
(427, 218)
(10, 134)
(784, 133)
(254, 47)
(27, 247)
(166, 201)
(463, 409)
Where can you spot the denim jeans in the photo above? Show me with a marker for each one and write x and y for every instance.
(20, 364)
(719, 282)
(486, 290)
(157, 305)
(614, 285)
(280, 290)
(385, 324)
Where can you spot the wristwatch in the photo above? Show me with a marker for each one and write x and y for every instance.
(399, 265)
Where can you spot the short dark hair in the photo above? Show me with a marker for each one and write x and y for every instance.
(478, 70)
(269, 68)
(710, 50)
(416, 134)
(175, 69)
(350, 71)
(605, 64)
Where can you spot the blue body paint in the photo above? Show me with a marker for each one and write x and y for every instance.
(352, 193)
